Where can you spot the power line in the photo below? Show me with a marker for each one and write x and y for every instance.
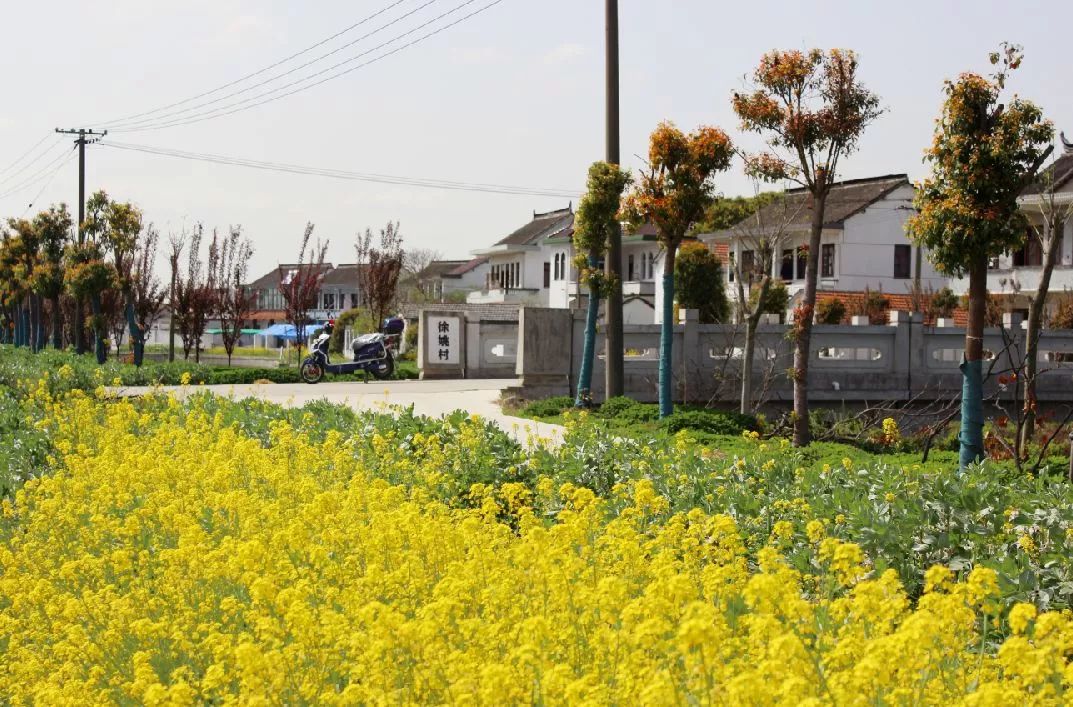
(123, 125)
(40, 156)
(45, 185)
(23, 155)
(37, 176)
(345, 174)
(262, 70)
(221, 112)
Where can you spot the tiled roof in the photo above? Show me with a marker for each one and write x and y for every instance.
(542, 225)
(844, 200)
(902, 302)
(439, 268)
(264, 315)
(1061, 170)
(466, 267)
(270, 280)
(346, 274)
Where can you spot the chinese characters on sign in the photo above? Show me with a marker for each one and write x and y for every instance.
(443, 341)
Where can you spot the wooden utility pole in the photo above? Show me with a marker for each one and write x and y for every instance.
(81, 141)
(614, 351)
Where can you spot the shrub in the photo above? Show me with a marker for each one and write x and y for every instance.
(710, 421)
(873, 304)
(830, 311)
(549, 407)
(628, 411)
(699, 282)
(358, 319)
(776, 300)
(1062, 317)
(942, 303)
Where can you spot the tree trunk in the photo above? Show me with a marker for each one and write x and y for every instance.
(79, 326)
(99, 330)
(171, 319)
(666, 336)
(584, 380)
(1035, 325)
(24, 317)
(57, 323)
(803, 322)
(752, 320)
(972, 399)
(37, 327)
(137, 338)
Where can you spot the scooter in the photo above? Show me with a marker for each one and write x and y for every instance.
(371, 355)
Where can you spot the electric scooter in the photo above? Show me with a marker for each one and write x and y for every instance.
(371, 355)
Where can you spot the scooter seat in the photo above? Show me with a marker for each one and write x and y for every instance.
(366, 339)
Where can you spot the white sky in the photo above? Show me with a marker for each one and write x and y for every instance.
(512, 96)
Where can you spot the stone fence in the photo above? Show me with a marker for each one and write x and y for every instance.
(897, 361)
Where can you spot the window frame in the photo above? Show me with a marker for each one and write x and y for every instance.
(907, 250)
(828, 255)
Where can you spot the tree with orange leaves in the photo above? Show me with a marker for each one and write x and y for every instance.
(983, 155)
(673, 194)
(812, 109)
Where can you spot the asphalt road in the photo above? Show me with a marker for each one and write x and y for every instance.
(433, 398)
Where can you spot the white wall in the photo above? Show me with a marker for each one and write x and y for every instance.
(865, 250)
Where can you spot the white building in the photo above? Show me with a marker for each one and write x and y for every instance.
(863, 243)
(444, 280)
(1014, 277)
(535, 265)
(520, 266)
(640, 253)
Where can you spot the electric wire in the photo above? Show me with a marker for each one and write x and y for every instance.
(175, 114)
(40, 156)
(24, 154)
(259, 71)
(39, 175)
(46, 185)
(223, 111)
(344, 174)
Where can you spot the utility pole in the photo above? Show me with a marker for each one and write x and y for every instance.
(614, 351)
(93, 136)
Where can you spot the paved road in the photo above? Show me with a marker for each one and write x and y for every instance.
(429, 397)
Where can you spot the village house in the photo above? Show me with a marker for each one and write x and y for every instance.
(863, 245)
(520, 268)
(448, 280)
(1014, 278)
(535, 266)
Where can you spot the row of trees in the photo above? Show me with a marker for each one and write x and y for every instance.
(811, 109)
(98, 281)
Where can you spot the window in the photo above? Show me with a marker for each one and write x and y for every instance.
(827, 260)
(353, 300)
(329, 300)
(802, 259)
(1031, 253)
(629, 268)
(787, 270)
(547, 272)
(902, 261)
(747, 265)
(730, 267)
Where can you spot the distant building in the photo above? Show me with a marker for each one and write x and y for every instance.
(535, 265)
(1014, 277)
(520, 269)
(338, 292)
(442, 279)
(863, 244)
